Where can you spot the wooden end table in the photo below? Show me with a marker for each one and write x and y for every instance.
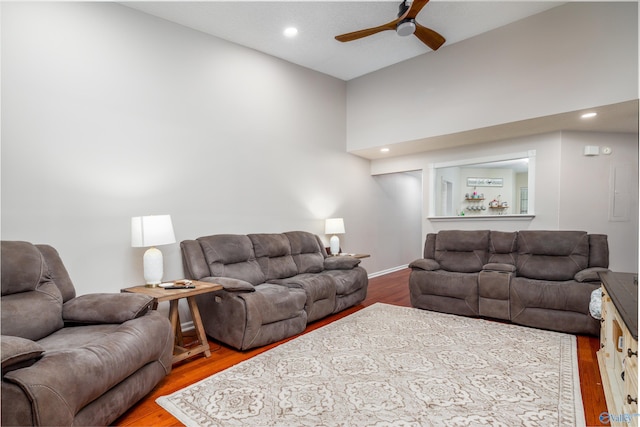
(160, 294)
(358, 256)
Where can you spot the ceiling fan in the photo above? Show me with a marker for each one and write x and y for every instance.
(404, 25)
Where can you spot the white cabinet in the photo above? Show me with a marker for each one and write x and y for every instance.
(618, 354)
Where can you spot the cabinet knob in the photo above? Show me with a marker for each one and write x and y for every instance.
(631, 399)
(632, 353)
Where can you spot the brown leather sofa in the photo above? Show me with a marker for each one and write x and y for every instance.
(273, 284)
(70, 360)
(541, 279)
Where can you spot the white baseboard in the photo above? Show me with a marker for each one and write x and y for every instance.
(387, 271)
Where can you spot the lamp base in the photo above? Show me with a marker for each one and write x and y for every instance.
(334, 245)
(152, 267)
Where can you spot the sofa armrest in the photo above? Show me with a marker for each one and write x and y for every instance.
(17, 352)
(106, 308)
(341, 262)
(63, 382)
(425, 264)
(494, 266)
(230, 284)
(589, 274)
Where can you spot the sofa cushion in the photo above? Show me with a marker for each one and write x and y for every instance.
(273, 253)
(273, 303)
(598, 250)
(320, 290)
(57, 271)
(566, 295)
(193, 260)
(231, 255)
(447, 292)
(495, 266)
(22, 267)
(348, 281)
(230, 284)
(552, 255)
(503, 247)
(341, 262)
(555, 305)
(32, 315)
(425, 264)
(31, 303)
(589, 274)
(461, 250)
(18, 352)
(307, 251)
(106, 308)
(430, 246)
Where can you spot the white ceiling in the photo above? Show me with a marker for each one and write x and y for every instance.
(260, 24)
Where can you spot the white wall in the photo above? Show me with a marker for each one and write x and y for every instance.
(571, 190)
(400, 208)
(109, 113)
(586, 191)
(574, 56)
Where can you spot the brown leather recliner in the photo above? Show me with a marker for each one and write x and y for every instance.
(70, 360)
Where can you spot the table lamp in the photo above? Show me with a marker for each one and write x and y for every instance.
(151, 231)
(334, 226)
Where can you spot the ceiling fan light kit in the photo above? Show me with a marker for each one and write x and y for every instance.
(404, 25)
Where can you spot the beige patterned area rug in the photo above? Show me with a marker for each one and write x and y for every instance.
(396, 366)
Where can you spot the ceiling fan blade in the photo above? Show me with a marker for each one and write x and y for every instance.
(429, 37)
(369, 31)
(415, 9)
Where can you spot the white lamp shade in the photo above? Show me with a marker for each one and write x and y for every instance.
(153, 230)
(334, 226)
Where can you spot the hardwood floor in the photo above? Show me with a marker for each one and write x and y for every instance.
(391, 289)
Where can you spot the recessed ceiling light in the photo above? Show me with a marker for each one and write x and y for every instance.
(291, 31)
(588, 115)
(384, 150)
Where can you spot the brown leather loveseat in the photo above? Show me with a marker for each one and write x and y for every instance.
(542, 279)
(70, 360)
